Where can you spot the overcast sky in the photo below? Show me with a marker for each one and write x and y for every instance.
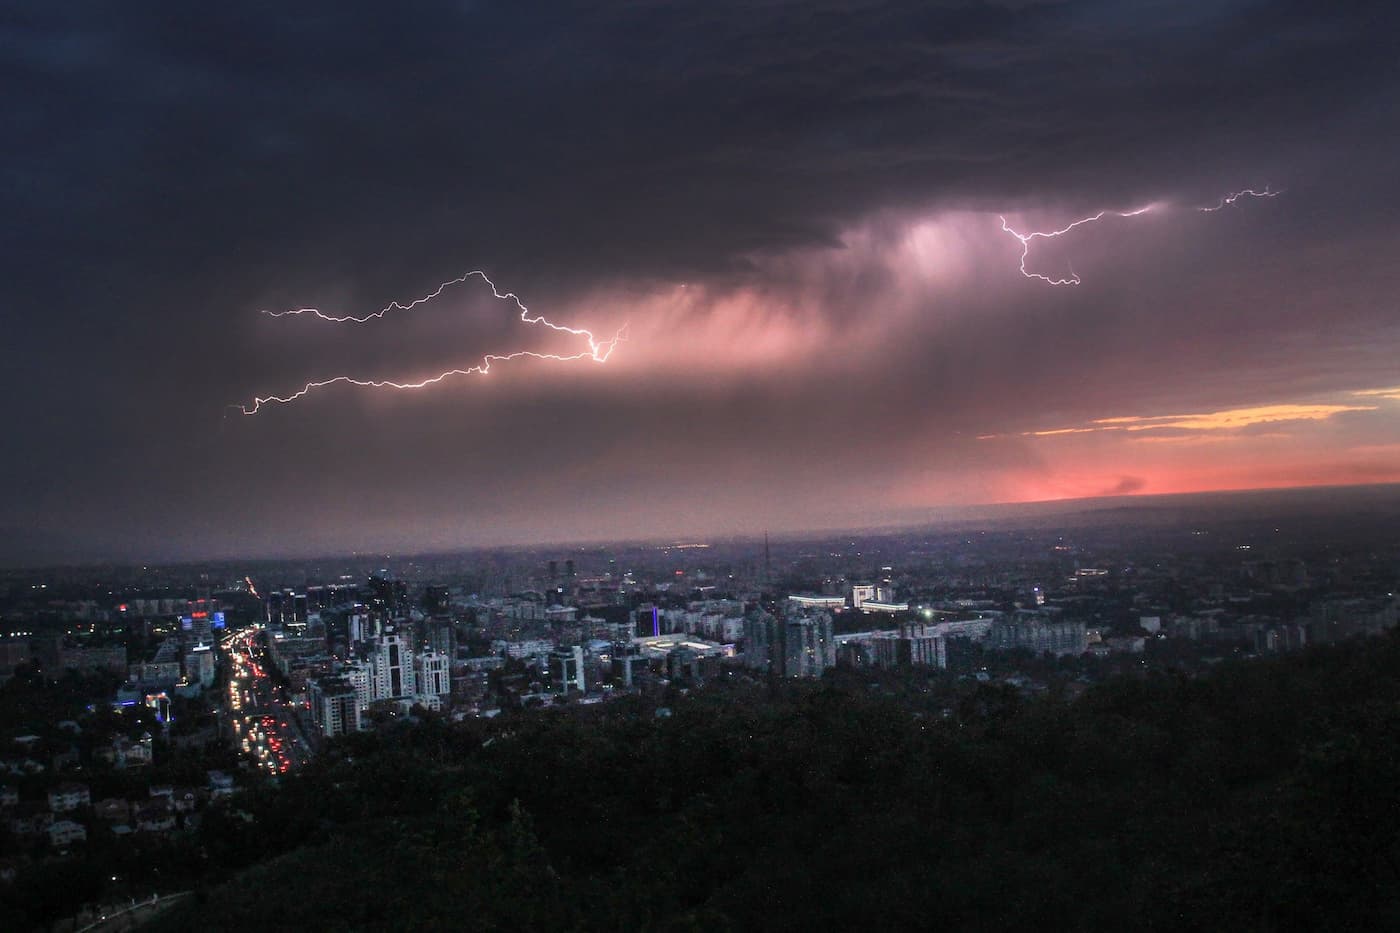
(794, 208)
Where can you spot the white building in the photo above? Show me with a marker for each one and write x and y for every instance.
(66, 797)
(360, 674)
(878, 605)
(199, 666)
(129, 754)
(928, 651)
(818, 602)
(393, 668)
(334, 706)
(528, 648)
(66, 832)
(975, 629)
(433, 673)
(361, 626)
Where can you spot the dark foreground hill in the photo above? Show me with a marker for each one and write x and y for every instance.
(1262, 797)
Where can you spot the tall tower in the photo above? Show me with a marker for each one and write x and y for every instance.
(393, 668)
(767, 562)
(809, 646)
(432, 673)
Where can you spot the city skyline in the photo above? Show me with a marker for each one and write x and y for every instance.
(812, 224)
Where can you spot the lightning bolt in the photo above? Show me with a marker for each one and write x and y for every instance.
(1235, 196)
(1073, 278)
(1026, 238)
(598, 350)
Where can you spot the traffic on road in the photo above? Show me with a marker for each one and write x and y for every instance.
(263, 721)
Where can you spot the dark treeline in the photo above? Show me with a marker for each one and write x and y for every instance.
(1263, 796)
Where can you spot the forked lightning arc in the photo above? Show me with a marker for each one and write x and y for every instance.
(598, 350)
(1232, 198)
(1073, 277)
(1026, 238)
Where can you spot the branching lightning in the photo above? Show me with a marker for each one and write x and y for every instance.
(598, 350)
(1073, 278)
(1232, 198)
(1026, 238)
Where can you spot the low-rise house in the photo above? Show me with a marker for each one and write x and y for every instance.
(64, 833)
(22, 766)
(184, 799)
(68, 796)
(124, 753)
(112, 810)
(220, 784)
(30, 821)
(155, 817)
(135, 754)
(9, 796)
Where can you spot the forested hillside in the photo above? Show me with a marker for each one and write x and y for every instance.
(1263, 796)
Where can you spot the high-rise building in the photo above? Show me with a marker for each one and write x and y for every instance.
(334, 707)
(1040, 637)
(809, 645)
(390, 595)
(361, 625)
(441, 636)
(360, 674)
(433, 674)
(762, 642)
(909, 648)
(630, 661)
(199, 666)
(393, 668)
(928, 651)
(646, 621)
(566, 669)
(276, 604)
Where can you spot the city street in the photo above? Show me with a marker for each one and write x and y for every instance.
(264, 725)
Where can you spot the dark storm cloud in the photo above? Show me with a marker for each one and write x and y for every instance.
(169, 169)
(651, 135)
